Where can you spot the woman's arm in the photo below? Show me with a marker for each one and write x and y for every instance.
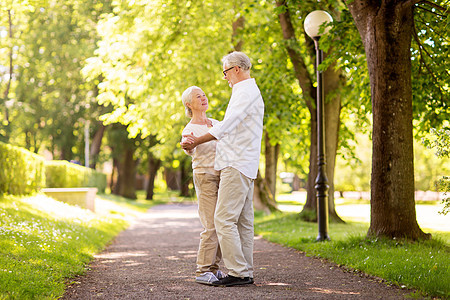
(191, 141)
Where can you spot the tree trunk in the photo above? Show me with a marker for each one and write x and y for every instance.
(153, 166)
(332, 121)
(65, 146)
(28, 137)
(114, 182)
(386, 29)
(309, 211)
(238, 25)
(262, 196)
(96, 145)
(296, 183)
(271, 159)
(8, 85)
(332, 81)
(172, 178)
(186, 176)
(62, 154)
(127, 174)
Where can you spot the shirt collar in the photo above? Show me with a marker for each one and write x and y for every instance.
(243, 83)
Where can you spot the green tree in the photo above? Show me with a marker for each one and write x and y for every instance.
(13, 20)
(151, 52)
(159, 50)
(300, 50)
(52, 100)
(382, 25)
(125, 160)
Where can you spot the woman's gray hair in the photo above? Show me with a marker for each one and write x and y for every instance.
(186, 97)
(237, 59)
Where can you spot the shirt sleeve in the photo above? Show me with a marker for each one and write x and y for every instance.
(238, 108)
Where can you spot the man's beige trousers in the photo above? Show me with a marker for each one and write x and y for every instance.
(209, 255)
(234, 222)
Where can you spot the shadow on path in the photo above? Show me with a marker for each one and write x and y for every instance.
(155, 259)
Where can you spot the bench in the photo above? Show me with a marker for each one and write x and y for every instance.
(83, 197)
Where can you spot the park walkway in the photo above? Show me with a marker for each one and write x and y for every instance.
(155, 259)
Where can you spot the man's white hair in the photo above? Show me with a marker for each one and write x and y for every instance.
(237, 59)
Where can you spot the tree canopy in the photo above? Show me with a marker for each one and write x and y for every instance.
(65, 62)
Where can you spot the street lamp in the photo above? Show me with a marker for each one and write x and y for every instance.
(312, 25)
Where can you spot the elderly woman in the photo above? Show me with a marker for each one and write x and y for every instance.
(206, 182)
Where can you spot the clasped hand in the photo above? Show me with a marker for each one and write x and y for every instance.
(188, 142)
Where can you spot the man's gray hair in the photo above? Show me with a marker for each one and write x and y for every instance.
(186, 97)
(237, 59)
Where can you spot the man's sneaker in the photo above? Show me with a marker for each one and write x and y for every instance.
(232, 281)
(220, 274)
(206, 278)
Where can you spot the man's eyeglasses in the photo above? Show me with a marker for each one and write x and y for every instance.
(225, 71)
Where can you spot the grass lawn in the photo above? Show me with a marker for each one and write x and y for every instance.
(43, 242)
(424, 266)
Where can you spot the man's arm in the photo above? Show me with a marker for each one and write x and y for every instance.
(240, 105)
(192, 141)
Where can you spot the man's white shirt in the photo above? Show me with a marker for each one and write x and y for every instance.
(239, 134)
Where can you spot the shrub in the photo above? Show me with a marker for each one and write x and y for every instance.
(61, 174)
(21, 171)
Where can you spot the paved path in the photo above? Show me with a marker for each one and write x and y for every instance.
(155, 259)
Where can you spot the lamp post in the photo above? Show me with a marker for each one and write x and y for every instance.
(312, 25)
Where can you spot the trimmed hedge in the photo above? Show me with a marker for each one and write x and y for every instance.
(62, 174)
(21, 171)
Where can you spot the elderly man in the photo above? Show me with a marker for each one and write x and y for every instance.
(237, 157)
